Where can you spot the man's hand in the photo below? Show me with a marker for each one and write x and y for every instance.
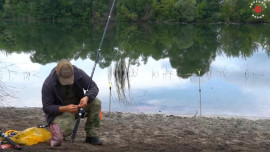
(69, 108)
(83, 102)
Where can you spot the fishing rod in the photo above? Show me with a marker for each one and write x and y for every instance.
(81, 111)
(74, 133)
(15, 146)
(101, 42)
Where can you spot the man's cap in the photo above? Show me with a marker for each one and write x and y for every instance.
(65, 72)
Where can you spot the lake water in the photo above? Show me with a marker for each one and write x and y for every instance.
(162, 61)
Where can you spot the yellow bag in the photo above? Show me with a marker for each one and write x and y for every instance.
(31, 136)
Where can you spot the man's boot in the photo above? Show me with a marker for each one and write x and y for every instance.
(93, 141)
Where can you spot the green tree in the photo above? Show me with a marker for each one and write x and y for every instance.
(8, 13)
(202, 10)
(236, 11)
(164, 9)
(134, 10)
(186, 10)
(209, 10)
(2, 2)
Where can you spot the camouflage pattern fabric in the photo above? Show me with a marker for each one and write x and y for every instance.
(67, 120)
(93, 118)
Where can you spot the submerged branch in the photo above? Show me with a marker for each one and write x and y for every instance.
(121, 77)
(5, 93)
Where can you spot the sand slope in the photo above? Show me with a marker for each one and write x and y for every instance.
(140, 132)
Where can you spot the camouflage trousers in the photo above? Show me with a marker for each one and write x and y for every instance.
(67, 120)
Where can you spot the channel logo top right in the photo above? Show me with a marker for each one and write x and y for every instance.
(258, 7)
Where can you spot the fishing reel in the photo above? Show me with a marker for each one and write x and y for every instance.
(82, 113)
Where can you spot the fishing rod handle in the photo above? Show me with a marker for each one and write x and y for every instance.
(74, 133)
(16, 146)
(75, 130)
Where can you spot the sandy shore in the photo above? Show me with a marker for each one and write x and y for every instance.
(140, 132)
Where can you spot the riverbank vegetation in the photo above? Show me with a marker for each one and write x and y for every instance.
(190, 11)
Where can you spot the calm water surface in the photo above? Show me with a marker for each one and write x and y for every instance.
(162, 63)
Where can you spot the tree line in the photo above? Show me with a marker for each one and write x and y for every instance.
(199, 11)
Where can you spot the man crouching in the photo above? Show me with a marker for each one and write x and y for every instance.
(62, 96)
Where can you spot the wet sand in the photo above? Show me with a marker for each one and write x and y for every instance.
(123, 132)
